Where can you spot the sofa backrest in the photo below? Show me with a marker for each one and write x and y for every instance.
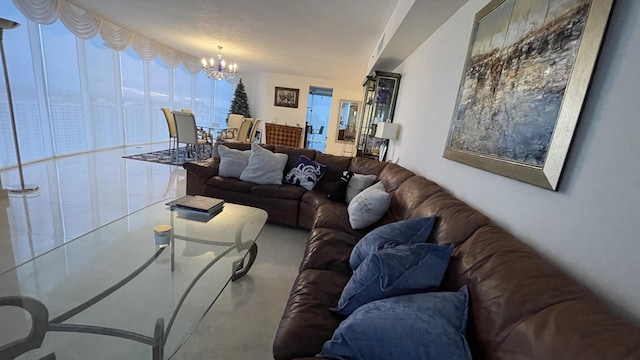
(294, 154)
(521, 305)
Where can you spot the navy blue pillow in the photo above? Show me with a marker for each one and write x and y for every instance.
(400, 270)
(427, 326)
(305, 173)
(410, 231)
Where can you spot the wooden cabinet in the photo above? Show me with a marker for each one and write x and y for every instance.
(379, 103)
(276, 134)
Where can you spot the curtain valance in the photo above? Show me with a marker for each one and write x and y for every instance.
(85, 25)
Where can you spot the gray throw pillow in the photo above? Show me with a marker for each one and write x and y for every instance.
(357, 183)
(232, 161)
(265, 167)
(369, 206)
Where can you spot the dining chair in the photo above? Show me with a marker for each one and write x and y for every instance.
(173, 134)
(234, 122)
(312, 139)
(243, 131)
(187, 133)
(255, 129)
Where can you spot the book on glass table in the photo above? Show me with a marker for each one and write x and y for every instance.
(202, 204)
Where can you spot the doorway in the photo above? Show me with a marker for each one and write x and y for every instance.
(319, 110)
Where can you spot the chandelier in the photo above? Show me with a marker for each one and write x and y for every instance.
(219, 70)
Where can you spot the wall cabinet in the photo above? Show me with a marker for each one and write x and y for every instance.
(379, 103)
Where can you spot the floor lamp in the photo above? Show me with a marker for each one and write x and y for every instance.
(22, 188)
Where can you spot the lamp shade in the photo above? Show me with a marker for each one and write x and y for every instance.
(387, 130)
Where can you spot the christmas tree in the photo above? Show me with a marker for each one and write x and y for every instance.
(240, 102)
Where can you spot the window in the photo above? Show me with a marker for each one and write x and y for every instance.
(160, 96)
(32, 128)
(70, 132)
(102, 64)
(72, 95)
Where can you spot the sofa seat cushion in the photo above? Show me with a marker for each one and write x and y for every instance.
(307, 322)
(328, 249)
(315, 199)
(309, 204)
(334, 216)
(284, 191)
(232, 184)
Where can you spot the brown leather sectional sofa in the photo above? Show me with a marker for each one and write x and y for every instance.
(521, 306)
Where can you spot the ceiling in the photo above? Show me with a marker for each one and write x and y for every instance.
(327, 39)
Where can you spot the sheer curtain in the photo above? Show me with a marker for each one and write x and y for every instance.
(73, 95)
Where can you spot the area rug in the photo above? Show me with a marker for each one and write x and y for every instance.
(164, 157)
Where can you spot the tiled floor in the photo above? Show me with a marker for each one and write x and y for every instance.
(82, 192)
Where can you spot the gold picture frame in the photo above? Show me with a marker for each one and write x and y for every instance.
(528, 68)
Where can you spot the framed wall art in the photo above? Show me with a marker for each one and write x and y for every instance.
(286, 97)
(527, 71)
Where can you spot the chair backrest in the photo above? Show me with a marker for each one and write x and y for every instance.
(254, 129)
(245, 127)
(186, 127)
(187, 110)
(235, 120)
(171, 123)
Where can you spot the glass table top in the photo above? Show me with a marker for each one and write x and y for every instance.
(113, 294)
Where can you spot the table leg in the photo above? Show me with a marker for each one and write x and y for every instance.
(173, 252)
(158, 340)
(243, 268)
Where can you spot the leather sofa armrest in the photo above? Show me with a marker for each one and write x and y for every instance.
(198, 174)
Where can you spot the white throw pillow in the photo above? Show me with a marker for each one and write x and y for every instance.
(368, 206)
(357, 183)
(232, 161)
(265, 167)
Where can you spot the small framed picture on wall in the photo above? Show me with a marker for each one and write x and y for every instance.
(286, 97)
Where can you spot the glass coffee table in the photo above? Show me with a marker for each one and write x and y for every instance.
(113, 294)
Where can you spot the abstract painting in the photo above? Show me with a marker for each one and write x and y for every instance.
(526, 75)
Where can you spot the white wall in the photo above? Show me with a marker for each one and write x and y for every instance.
(260, 89)
(590, 227)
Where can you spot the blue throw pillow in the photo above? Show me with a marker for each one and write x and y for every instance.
(400, 270)
(410, 231)
(305, 173)
(427, 326)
